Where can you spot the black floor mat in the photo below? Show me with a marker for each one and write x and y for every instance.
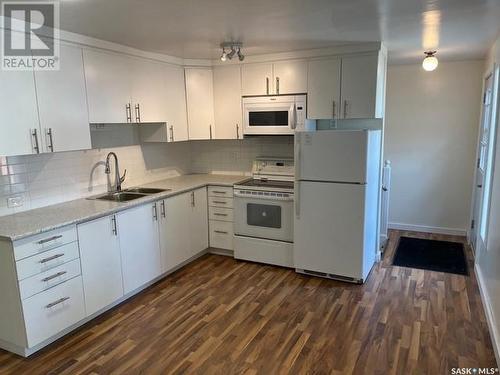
(441, 256)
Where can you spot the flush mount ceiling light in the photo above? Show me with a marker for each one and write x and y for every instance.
(233, 48)
(430, 62)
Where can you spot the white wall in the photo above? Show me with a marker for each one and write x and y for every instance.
(430, 138)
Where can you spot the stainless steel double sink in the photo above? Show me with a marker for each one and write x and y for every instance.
(129, 194)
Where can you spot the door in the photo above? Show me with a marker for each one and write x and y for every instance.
(329, 227)
(323, 93)
(175, 213)
(198, 221)
(290, 77)
(482, 190)
(62, 104)
(359, 86)
(140, 245)
(175, 104)
(108, 87)
(20, 131)
(256, 79)
(101, 263)
(227, 102)
(200, 103)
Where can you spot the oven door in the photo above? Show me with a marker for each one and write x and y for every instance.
(269, 118)
(264, 217)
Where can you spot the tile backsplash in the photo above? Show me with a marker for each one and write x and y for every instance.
(41, 180)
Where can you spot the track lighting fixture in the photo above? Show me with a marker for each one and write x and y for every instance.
(234, 48)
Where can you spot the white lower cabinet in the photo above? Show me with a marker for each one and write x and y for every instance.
(198, 230)
(220, 212)
(101, 263)
(139, 245)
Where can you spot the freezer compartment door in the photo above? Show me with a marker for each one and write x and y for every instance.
(332, 155)
(329, 227)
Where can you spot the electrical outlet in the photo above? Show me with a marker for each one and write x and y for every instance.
(16, 201)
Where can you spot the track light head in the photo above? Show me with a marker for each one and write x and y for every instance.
(240, 55)
(231, 54)
(223, 57)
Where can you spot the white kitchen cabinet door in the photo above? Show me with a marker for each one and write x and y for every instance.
(323, 92)
(290, 77)
(19, 114)
(108, 87)
(359, 86)
(198, 230)
(227, 102)
(139, 245)
(175, 104)
(200, 103)
(256, 79)
(62, 104)
(101, 263)
(175, 214)
(149, 91)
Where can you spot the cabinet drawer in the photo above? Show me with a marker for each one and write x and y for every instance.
(49, 312)
(44, 241)
(221, 214)
(220, 191)
(46, 261)
(46, 280)
(220, 202)
(221, 235)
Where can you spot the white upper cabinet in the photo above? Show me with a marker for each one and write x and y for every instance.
(108, 87)
(256, 79)
(323, 93)
(198, 229)
(290, 77)
(227, 102)
(20, 129)
(175, 104)
(200, 103)
(62, 104)
(359, 86)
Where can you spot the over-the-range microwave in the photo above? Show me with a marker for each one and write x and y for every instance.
(274, 115)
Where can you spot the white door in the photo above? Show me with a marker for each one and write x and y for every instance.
(20, 129)
(62, 104)
(323, 93)
(149, 91)
(256, 79)
(227, 102)
(175, 213)
(200, 103)
(359, 86)
(198, 229)
(101, 263)
(108, 87)
(140, 245)
(175, 104)
(290, 77)
(328, 228)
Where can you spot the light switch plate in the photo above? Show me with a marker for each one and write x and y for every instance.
(16, 201)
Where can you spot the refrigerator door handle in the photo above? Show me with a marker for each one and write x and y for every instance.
(297, 175)
(297, 200)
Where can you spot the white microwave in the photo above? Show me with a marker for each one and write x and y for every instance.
(274, 115)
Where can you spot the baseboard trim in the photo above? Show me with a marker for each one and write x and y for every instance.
(426, 229)
(490, 317)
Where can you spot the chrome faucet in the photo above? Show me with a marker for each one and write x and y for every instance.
(118, 179)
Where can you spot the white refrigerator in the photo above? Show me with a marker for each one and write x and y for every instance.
(337, 188)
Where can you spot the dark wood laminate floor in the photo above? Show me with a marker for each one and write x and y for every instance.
(222, 316)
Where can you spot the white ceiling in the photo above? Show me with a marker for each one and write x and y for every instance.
(195, 28)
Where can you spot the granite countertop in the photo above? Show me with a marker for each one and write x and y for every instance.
(24, 224)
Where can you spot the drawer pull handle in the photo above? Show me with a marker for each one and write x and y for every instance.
(55, 303)
(220, 232)
(51, 258)
(219, 192)
(220, 202)
(217, 214)
(55, 276)
(41, 242)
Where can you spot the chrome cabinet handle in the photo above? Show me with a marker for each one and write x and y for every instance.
(57, 302)
(192, 199)
(137, 112)
(50, 141)
(345, 108)
(128, 111)
(334, 110)
(55, 276)
(53, 257)
(267, 85)
(171, 128)
(237, 131)
(277, 85)
(218, 214)
(219, 192)
(41, 242)
(36, 146)
(210, 131)
(155, 212)
(162, 209)
(220, 232)
(114, 229)
(220, 202)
